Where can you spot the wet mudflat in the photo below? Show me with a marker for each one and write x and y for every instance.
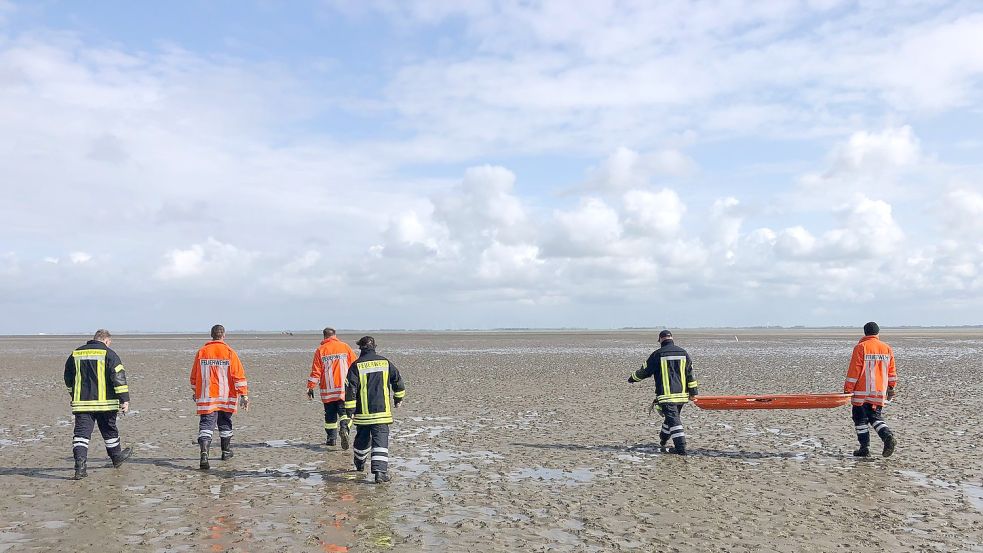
(507, 441)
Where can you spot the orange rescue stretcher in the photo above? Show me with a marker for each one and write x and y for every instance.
(775, 401)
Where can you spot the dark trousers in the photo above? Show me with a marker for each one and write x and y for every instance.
(867, 414)
(334, 414)
(84, 424)
(207, 423)
(672, 425)
(374, 439)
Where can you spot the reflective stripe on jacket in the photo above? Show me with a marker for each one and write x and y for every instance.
(672, 369)
(329, 370)
(871, 372)
(370, 380)
(94, 375)
(218, 378)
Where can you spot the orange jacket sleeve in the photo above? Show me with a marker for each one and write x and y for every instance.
(856, 366)
(317, 369)
(238, 375)
(195, 370)
(892, 373)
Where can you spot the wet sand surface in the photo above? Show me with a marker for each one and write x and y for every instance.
(529, 441)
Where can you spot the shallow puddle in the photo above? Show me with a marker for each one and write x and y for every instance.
(576, 476)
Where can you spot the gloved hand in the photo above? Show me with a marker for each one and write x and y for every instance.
(351, 413)
(630, 381)
(396, 402)
(891, 393)
(310, 393)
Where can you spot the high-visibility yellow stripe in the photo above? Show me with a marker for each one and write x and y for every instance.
(330, 425)
(664, 366)
(682, 374)
(119, 367)
(692, 384)
(378, 418)
(385, 391)
(122, 389)
(372, 364)
(91, 406)
(350, 404)
(400, 394)
(101, 377)
(77, 392)
(363, 392)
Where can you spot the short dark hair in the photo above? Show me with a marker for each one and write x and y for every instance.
(366, 342)
(328, 332)
(871, 329)
(665, 334)
(218, 332)
(102, 335)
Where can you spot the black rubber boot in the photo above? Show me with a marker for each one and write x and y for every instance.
(679, 446)
(227, 449)
(124, 454)
(889, 444)
(204, 444)
(862, 452)
(382, 477)
(80, 471)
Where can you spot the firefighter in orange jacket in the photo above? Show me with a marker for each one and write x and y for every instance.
(871, 379)
(329, 372)
(220, 384)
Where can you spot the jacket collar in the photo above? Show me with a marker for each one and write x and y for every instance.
(869, 338)
(329, 339)
(366, 351)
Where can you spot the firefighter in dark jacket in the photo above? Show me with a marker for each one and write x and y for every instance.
(675, 385)
(367, 400)
(97, 385)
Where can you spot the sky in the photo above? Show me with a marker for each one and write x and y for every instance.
(488, 164)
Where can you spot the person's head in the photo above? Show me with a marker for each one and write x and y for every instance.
(665, 336)
(218, 332)
(871, 329)
(103, 335)
(365, 343)
(328, 332)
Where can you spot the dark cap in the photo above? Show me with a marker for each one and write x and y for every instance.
(871, 329)
(366, 342)
(665, 334)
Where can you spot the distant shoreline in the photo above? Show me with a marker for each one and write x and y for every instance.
(679, 330)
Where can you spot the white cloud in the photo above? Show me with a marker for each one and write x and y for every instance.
(656, 214)
(890, 148)
(482, 208)
(211, 263)
(724, 226)
(795, 242)
(510, 263)
(80, 258)
(589, 229)
(627, 169)
(962, 211)
(869, 230)
(543, 77)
